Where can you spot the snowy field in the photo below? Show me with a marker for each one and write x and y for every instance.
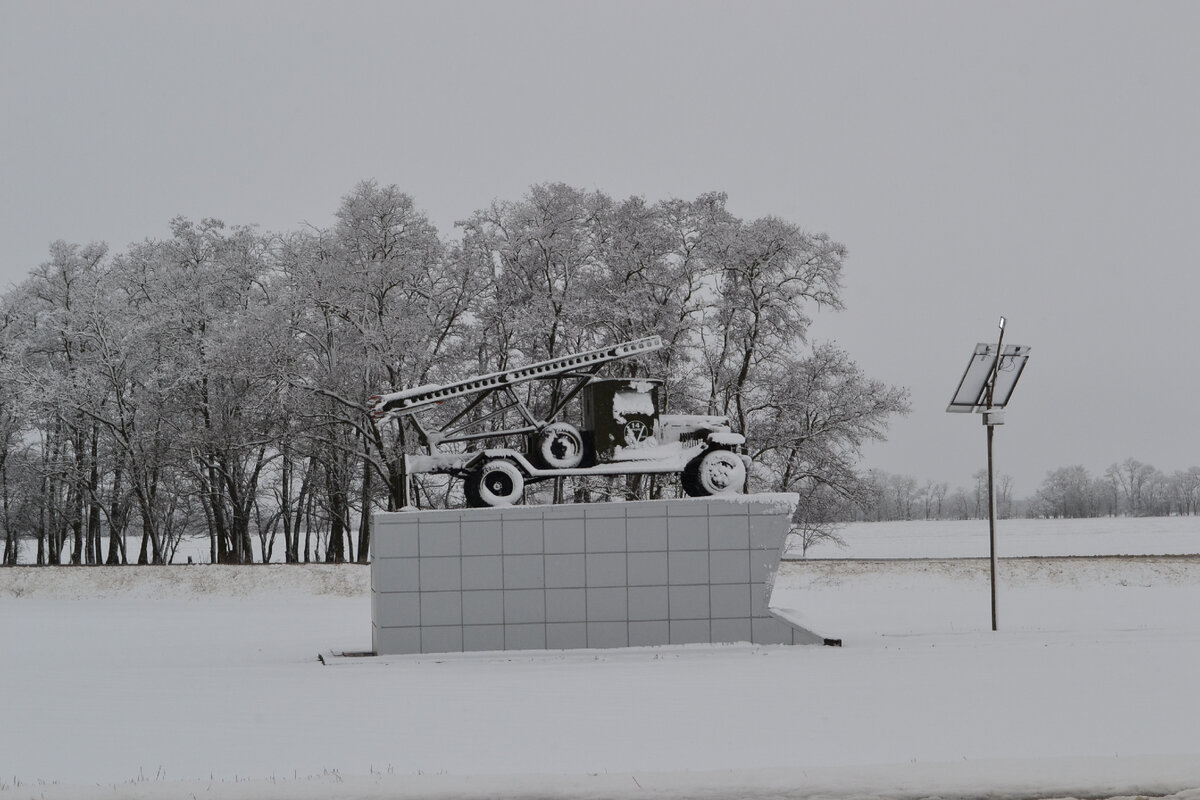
(1016, 538)
(203, 681)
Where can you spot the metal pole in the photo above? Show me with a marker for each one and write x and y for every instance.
(987, 420)
(992, 518)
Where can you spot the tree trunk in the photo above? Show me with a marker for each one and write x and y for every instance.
(76, 506)
(144, 550)
(335, 551)
(216, 505)
(307, 510)
(116, 523)
(10, 538)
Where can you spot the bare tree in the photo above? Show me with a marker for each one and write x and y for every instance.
(1132, 480)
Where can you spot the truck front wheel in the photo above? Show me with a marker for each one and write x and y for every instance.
(713, 472)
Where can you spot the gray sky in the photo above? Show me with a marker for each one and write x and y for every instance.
(1036, 160)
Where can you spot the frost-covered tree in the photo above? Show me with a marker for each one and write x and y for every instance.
(201, 314)
(770, 276)
(54, 356)
(814, 415)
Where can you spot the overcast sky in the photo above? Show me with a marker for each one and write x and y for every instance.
(1036, 160)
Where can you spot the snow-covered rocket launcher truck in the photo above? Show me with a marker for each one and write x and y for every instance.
(620, 430)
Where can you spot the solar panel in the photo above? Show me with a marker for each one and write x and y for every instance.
(972, 392)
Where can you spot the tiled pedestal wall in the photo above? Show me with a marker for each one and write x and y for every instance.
(581, 575)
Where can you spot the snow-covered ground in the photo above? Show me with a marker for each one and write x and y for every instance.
(204, 681)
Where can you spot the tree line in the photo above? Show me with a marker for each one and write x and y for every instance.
(213, 383)
(1126, 488)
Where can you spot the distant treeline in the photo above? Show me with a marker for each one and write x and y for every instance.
(1127, 488)
(214, 382)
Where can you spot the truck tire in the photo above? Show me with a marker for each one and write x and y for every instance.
(714, 472)
(497, 483)
(560, 446)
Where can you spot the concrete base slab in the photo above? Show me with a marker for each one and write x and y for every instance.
(602, 575)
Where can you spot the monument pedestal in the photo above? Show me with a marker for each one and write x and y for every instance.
(581, 575)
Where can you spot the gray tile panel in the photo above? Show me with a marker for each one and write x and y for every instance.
(396, 574)
(441, 639)
(648, 603)
(763, 564)
(767, 532)
(400, 609)
(523, 536)
(732, 630)
(729, 533)
(566, 635)
(760, 599)
(646, 533)
(687, 533)
(566, 605)
(563, 535)
(647, 569)
(737, 509)
(439, 538)
(482, 637)
(687, 566)
(393, 539)
(688, 602)
(524, 605)
(523, 512)
(730, 600)
(608, 634)
(525, 637)
(650, 632)
(728, 566)
(649, 508)
(566, 570)
(482, 572)
(690, 631)
(441, 608)
(606, 510)
(605, 535)
(483, 608)
(606, 569)
(397, 641)
(441, 573)
(481, 537)
(524, 572)
(563, 511)
(608, 604)
(691, 507)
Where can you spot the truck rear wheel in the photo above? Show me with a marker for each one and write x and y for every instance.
(496, 483)
(714, 472)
